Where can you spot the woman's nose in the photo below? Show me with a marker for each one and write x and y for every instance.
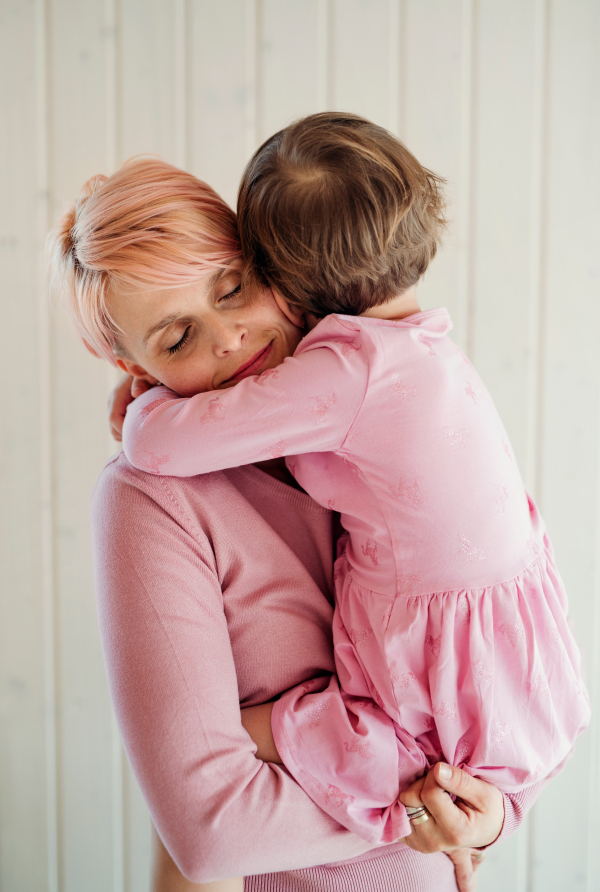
(228, 338)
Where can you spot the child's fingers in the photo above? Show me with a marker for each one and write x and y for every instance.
(117, 405)
(140, 386)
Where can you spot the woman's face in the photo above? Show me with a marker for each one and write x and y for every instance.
(205, 336)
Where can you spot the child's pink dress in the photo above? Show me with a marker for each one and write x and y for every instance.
(450, 613)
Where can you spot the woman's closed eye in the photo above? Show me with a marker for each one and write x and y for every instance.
(231, 294)
(181, 342)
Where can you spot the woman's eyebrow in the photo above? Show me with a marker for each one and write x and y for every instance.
(166, 320)
(173, 317)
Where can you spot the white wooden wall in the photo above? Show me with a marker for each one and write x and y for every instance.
(500, 97)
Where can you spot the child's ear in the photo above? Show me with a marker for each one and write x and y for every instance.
(293, 313)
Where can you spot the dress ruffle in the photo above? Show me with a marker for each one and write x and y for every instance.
(481, 678)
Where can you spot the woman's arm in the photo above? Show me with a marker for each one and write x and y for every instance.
(166, 876)
(174, 688)
(481, 815)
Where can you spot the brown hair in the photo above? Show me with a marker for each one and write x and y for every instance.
(338, 215)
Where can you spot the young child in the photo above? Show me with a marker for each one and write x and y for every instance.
(450, 632)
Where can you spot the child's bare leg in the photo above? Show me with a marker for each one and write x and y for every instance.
(166, 876)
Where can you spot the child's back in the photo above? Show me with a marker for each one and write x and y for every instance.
(450, 612)
(425, 479)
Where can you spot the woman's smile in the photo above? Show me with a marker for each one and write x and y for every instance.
(253, 366)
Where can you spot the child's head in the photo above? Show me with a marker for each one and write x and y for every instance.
(148, 226)
(336, 214)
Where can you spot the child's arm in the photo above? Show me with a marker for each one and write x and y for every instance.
(257, 722)
(307, 404)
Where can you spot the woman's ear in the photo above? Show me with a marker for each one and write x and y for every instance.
(136, 371)
(293, 313)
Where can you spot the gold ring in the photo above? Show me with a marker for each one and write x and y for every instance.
(420, 819)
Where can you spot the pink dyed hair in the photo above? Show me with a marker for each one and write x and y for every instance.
(148, 226)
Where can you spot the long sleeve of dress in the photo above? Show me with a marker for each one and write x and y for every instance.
(161, 575)
(307, 404)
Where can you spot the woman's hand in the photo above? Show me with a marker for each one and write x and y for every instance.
(124, 393)
(474, 820)
(466, 862)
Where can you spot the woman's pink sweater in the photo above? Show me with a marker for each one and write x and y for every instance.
(215, 591)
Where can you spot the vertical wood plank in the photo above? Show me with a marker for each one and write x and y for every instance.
(292, 62)
(148, 100)
(571, 398)
(397, 57)
(27, 805)
(324, 55)
(437, 127)
(219, 94)
(43, 117)
(506, 201)
(82, 41)
(360, 58)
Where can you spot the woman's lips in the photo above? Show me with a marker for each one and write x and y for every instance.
(253, 365)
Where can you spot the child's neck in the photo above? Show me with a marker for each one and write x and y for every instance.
(400, 306)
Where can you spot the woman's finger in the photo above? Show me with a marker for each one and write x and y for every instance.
(477, 816)
(474, 792)
(477, 858)
(425, 836)
(412, 796)
(463, 869)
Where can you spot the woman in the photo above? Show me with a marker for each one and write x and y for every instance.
(214, 591)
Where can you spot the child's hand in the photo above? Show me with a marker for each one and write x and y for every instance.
(124, 393)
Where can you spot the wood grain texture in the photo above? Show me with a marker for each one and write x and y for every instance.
(500, 100)
(24, 785)
(80, 146)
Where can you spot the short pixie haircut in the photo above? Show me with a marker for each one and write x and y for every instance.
(149, 226)
(338, 215)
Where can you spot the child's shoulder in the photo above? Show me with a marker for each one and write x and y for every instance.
(345, 331)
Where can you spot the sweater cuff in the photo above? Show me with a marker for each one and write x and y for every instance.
(516, 806)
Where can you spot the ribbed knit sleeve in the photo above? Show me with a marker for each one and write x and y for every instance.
(160, 578)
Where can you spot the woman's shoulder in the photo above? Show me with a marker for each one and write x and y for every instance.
(125, 493)
(119, 482)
